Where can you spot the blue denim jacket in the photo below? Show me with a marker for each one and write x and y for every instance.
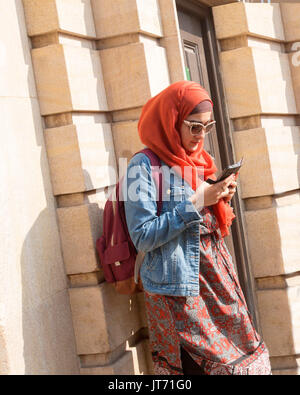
(172, 240)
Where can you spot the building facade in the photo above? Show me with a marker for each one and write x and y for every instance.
(75, 75)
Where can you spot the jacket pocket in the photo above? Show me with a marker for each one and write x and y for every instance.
(157, 267)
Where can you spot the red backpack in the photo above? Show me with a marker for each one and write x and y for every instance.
(119, 258)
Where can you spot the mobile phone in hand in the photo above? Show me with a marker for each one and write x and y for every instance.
(232, 169)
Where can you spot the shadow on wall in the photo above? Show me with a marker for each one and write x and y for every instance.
(48, 337)
(105, 320)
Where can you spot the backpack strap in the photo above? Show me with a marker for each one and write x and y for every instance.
(156, 173)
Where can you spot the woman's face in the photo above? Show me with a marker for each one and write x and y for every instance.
(190, 143)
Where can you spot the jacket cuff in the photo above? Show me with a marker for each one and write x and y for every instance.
(188, 212)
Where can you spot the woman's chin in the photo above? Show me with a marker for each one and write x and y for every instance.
(193, 147)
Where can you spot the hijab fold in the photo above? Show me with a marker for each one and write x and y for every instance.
(159, 129)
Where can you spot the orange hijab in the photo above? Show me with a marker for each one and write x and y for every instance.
(159, 129)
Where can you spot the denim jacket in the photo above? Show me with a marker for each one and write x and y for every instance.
(171, 241)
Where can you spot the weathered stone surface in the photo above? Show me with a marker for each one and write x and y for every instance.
(80, 226)
(17, 77)
(118, 17)
(272, 249)
(36, 333)
(81, 157)
(169, 19)
(49, 15)
(252, 88)
(102, 318)
(123, 132)
(48, 337)
(136, 360)
(290, 15)
(286, 372)
(279, 312)
(123, 366)
(271, 152)
(85, 79)
(285, 365)
(175, 57)
(251, 144)
(278, 282)
(40, 18)
(144, 73)
(262, 20)
(233, 15)
(61, 71)
(64, 160)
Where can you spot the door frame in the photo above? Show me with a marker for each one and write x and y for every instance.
(224, 123)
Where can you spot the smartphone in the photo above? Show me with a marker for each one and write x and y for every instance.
(232, 169)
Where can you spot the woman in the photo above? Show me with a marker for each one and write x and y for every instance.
(197, 315)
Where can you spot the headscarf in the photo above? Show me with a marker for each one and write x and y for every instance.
(159, 129)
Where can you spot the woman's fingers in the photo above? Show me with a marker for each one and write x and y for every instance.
(231, 192)
(207, 194)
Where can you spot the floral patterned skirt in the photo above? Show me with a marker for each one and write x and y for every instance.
(214, 328)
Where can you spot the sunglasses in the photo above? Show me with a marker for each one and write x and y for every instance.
(197, 128)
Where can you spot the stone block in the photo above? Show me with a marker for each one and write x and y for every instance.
(119, 17)
(271, 152)
(64, 15)
(252, 145)
(273, 251)
(169, 18)
(143, 74)
(102, 319)
(236, 19)
(80, 226)
(40, 17)
(290, 362)
(274, 81)
(126, 139)
(257, 81)
(81, 157)
(286, 372)
(290, 16)
(175, 57)
(61, 72)
(230, 20)
(279, 311)
(239, 76)
(132, 362)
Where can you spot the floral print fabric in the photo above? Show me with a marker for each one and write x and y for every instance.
(215, 328)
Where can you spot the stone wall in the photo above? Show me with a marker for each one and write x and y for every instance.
(96, 63)
(36, 331)
(260, 62)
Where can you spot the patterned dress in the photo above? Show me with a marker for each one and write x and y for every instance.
(214, 328)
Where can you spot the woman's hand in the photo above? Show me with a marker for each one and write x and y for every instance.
(207, 194)
(232, 191)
